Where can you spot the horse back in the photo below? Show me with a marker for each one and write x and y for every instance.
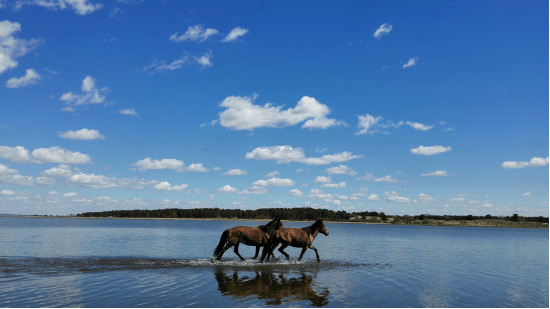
(251, 236)
(294, 237)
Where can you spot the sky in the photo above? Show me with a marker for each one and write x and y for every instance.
(401, 107)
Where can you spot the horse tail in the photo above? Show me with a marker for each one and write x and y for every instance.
(223, 241)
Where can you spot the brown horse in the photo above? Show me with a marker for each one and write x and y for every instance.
(250, 236)
(294, 237)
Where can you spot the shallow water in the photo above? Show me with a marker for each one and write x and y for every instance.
(49, 262)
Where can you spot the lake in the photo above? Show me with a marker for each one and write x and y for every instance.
(62, 262)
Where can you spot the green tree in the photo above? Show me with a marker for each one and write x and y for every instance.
(515, 217)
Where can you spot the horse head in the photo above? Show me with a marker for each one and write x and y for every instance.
(321, 227)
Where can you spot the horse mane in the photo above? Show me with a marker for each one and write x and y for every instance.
(315, 226)
(265, 228)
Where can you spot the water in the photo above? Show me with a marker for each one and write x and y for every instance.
(49, 262)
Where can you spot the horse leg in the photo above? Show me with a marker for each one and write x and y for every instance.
(283, 246)
(314, 249)
(302, 254)
(229, 245)
(237, 251)
(257, 252)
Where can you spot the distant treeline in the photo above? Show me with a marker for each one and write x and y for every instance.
(298, 213)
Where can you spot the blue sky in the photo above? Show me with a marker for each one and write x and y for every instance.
(402, 107)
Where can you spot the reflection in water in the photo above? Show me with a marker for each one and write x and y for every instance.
(275, 289)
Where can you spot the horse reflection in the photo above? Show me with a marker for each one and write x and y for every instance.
(274, 289)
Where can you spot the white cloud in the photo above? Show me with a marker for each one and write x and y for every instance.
(286, 154)
(394, 197)
(458, 199)
(242, 114)
(103, 182)
(90, 93)
(274, 182)
(205, 60)
(81, 7)
(165, 185)
(419, 126)
(148, 164)
(70, 194)
(27, 180)
(323, 123)
(366, 177)
(410, 63)
(4, 170)
(130, 112)
(534, 162)
(319, 194)
(7, 192)
(31, 77)
(195, 33)
(272, 174)
(367, 122)
(63, 170)
(296, 192)
(227, 189)
(383, 30)
(373, 197)
(235, 172)
(196, 167)
(43, 155)
(254, 190)
(387, 179)
(341, 169)
(322, 179)
(83, 134)
(234, 34)
(334, 185)
(425, 198)
(436, 173)
(431, 150)
(526, 194)
(12, 47)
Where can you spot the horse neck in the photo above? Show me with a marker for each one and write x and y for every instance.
(270, 228)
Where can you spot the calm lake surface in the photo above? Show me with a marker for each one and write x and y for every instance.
(50, 262)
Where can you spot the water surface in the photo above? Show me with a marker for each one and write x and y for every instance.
(50, 262)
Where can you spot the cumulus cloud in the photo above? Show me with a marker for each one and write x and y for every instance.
(394, 197)
(165, 185)
(148, 164)
(104, 182)
(12, 47)
(7, 192)
(205, 60)
(296, 192)
(341, 169)
(286, 154)
(436, 173)
(227, 189)
(387, 179)
(272, 174)
(366, 122)
(425, 198)
(458, 199)
(334, 185)
(382, 30)
(526, 194)
(373, 197)
(431, 150)
(274, 182)
(195, 33)
(70, 194)
(30, 78)
(196, 167)
(27, 180)
(419, 126)
(410, 63)
(83, 134)
(43, 155)
(80, 7)
(235, 34)
(90, 94)
(322, 179)
(63, 170)
(242, 114)
(130, 112)
(235, 172)
(4, 170)
(534, 162)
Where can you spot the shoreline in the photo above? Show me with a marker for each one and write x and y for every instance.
(473, 223)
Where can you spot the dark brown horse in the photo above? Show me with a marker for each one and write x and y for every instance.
(294, 237)
(250, 236)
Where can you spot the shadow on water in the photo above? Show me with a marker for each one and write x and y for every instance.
(273, 288)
